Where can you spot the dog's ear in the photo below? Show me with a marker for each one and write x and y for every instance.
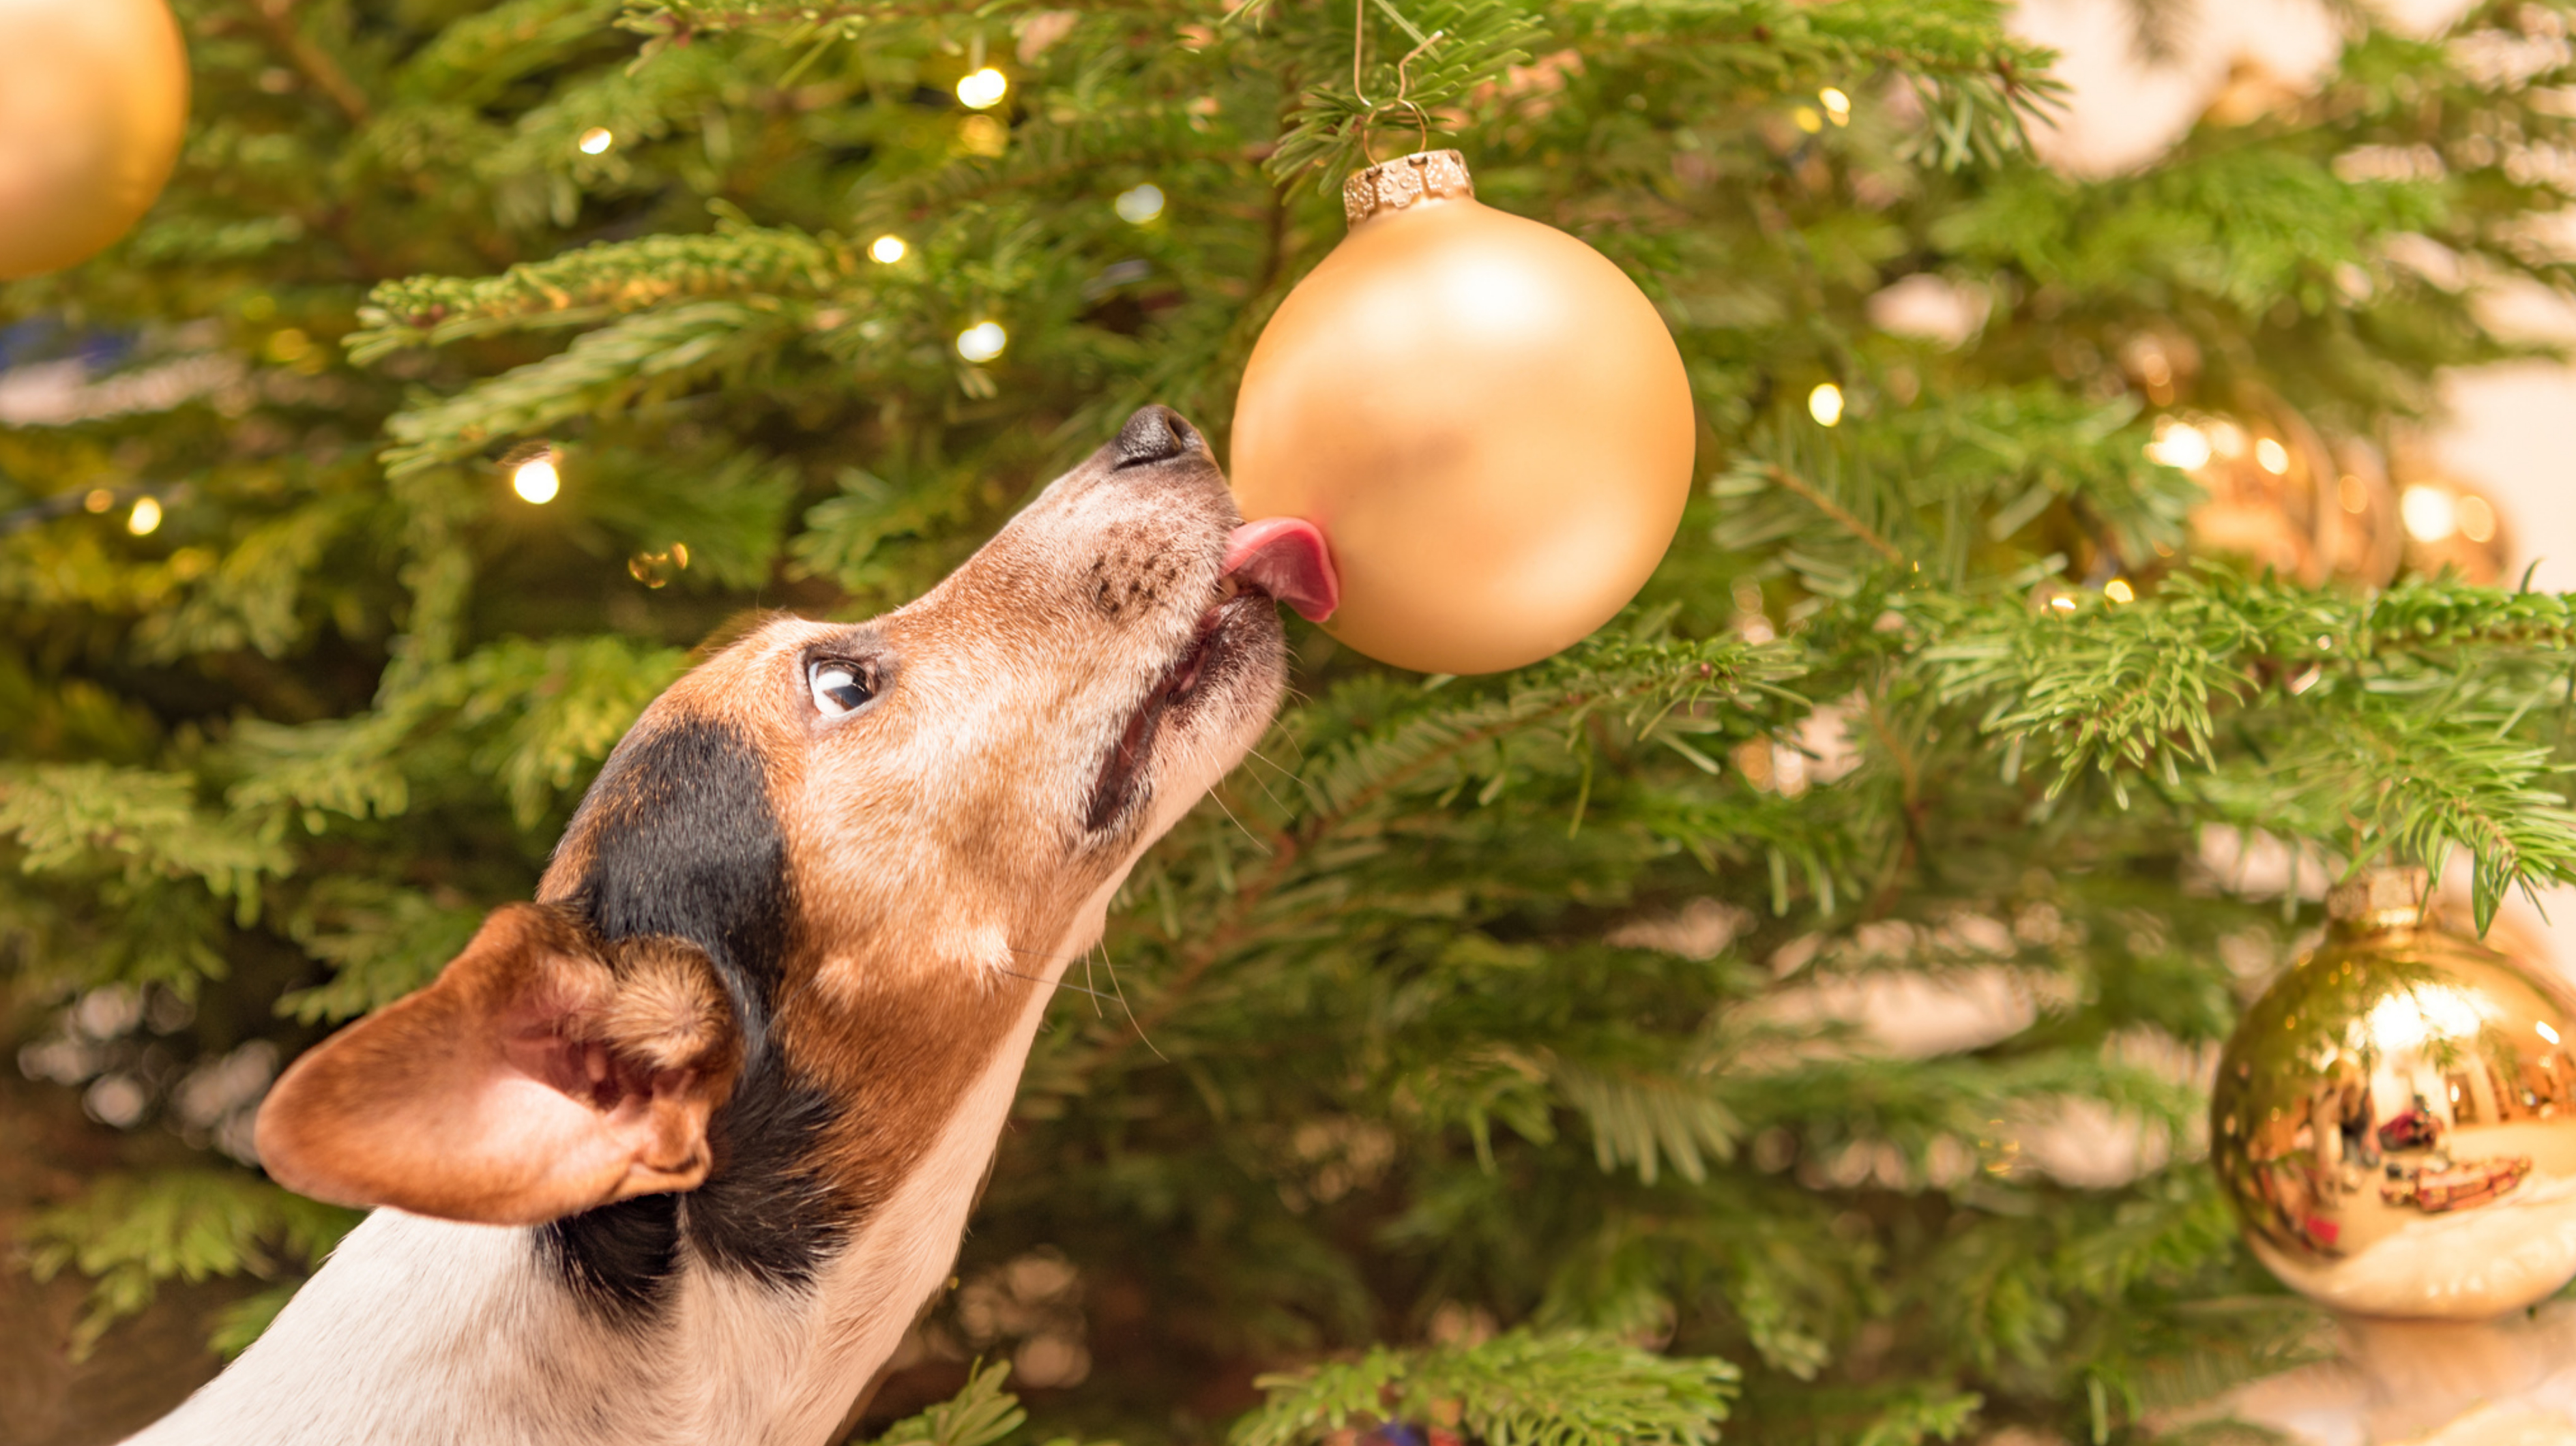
(541, 1075)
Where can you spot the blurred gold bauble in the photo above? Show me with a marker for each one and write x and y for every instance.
(2395, 1119)
(2281, 499)
(1485, 417)
(93, 97)
(2450, 525)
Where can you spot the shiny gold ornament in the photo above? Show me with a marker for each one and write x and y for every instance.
(2450, 525)
(2395, 1119)
(1485, 417)
(93, 97)
(2280, 498)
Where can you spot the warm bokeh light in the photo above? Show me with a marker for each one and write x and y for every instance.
(983, 89)
(597, 140)
(982, 342)
(1140, 204)
(536, 480)
(2119, 591)
(146, 516)
(1837, 105)
(2272, 457)
(2179, 444)
(1825, 403)
(2429, 512)
(99, 499)
(887, 250)
(2476, 517)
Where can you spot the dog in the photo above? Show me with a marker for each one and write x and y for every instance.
(678, 1151)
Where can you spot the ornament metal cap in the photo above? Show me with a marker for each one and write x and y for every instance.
(1406, 181)
(2379, 898)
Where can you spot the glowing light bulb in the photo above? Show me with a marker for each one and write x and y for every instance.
(1837, 105)
(2272, 457)
(2546, 1032)
(2429, 513)
(1141, 204)
(146, 516)
(2180, 445)
(1825, 404)
(2119, 591)
(536, 480)
(982, 342)
(888, 249)
(983, 89)
(596, 140)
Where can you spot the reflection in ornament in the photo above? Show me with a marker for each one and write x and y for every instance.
(2280, 498)
(2395, 1119)
(2449, 525)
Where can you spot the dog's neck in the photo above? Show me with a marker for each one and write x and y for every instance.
(426, 1331)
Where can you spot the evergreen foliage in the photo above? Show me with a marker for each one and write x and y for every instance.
(1474, 1056)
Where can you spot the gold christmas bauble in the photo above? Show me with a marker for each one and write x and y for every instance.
(2395, 1119)
(1485, 417)
(2279, 497)
(93, 97)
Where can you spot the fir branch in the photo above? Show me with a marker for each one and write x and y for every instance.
(592, 284)
(129, 1234)
(89, 818)
(613, 367)
(1519, 1389)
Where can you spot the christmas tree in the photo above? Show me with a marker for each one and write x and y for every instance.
(1490, 1054)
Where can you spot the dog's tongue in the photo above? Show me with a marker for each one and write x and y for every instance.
(1286, 558)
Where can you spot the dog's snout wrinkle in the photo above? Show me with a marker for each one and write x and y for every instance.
(1156, 434)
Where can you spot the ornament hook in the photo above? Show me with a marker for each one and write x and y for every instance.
(1403, 101)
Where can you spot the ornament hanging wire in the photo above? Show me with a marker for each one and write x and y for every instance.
(1403, 78)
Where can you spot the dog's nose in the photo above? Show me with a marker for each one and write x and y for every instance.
(1156, 434)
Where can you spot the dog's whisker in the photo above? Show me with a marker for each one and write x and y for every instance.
(1112, 966)
(1041, 979)
(1217, 799)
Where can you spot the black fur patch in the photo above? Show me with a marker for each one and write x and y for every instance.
(684, 842)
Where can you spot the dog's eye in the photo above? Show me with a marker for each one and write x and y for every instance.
(837, 687)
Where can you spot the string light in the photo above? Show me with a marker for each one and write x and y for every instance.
(1825, 404)
(1837, 105)
(982, 342)
(2119, 591)
(2429, 513)
(888, 249)
(146, 517)
(1140, 204)
(2272, 457)
(99, 499)
(2179, 445)
(596, 140)
(535, 480)
(983, 89)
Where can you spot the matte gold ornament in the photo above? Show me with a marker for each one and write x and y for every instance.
(93, 98)
(1487, 420)
(2395, 1119)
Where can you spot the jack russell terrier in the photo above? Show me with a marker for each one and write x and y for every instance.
(676, 1153)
